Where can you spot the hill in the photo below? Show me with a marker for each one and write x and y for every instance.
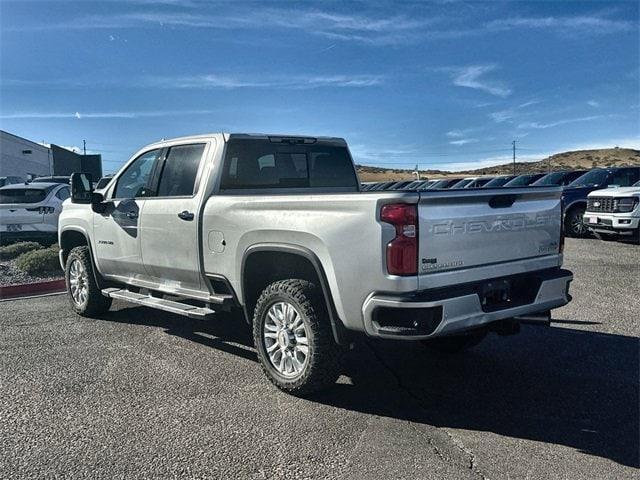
(575, 160)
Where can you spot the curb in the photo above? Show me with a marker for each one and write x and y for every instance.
(28, 289)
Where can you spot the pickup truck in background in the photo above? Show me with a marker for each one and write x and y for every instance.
(614, 212)
(276, 228)
(575, 194)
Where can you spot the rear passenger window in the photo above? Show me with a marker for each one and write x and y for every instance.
(178, 176)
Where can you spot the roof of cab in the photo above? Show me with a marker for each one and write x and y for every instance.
(265, 136)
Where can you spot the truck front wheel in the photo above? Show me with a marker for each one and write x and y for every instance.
(84, 294)
(293, 338)
(574, 223)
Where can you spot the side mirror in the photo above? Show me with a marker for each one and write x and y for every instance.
(81, 188)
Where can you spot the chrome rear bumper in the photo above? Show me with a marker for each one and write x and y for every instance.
(452, 314)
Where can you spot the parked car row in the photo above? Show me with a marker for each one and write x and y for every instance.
(614, 211)
(561, 178)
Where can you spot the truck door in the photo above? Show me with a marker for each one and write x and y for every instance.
(117, 229)
(169, 238)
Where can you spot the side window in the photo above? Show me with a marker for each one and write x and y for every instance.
(63, 193)
(178, 176)
(624, 178)
(135, 180)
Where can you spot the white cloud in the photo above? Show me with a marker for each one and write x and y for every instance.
(471, 77)
(455, 133)
(463, 141)
(502, 116)
(557, 123)
(80, 116)
(528, 104)
(566, 25)
(294, 82)
(593, 103)
(361, 28)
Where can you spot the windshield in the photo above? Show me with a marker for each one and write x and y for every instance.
(462, 183)
(593, 178)
(550, 179)
(520, 181)
(497, 182)
(637, 184)
(23, 195)
(444, 183)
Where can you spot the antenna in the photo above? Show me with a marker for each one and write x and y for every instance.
(514, 156)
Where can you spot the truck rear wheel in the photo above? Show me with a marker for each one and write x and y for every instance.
(293, 338)
(456, 343)
(84, 294)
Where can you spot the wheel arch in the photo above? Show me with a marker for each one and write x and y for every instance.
(77, 237)
(283, 261)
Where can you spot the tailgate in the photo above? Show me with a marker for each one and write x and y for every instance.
(461, 230)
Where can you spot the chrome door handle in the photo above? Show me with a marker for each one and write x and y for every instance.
(132, 215)
(185, 215)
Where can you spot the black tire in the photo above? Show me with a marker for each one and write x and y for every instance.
(93, 303)
(456, 343)
(574, 222)
(322, 364)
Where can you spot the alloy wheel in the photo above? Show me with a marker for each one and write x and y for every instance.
(285, 339)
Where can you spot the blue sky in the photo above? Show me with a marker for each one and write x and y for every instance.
(444, 84)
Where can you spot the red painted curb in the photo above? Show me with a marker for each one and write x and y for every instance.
(27, 289)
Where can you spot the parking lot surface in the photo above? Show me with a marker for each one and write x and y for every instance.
(141, 393)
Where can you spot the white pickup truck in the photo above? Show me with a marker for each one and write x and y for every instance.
(614, 212)
(276, 227)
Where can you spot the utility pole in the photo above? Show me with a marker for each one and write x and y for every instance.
(514, 156)
(84, 146)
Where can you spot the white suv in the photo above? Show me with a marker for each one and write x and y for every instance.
(614, 211)
(31, 211)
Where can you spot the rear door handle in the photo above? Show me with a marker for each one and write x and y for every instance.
(185, 215)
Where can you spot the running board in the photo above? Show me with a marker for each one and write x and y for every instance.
(180, 308)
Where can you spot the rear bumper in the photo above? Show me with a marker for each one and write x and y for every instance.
(35, 235)
(458, 308)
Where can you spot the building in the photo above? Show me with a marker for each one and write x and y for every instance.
(65, 162)
(23, 158)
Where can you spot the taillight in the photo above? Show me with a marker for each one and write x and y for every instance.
(402, 251)
(561, 246)
(42, 210)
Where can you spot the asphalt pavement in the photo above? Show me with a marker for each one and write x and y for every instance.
(146, 394)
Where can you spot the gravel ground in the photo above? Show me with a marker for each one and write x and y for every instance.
(10, 275)
(142, 394)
